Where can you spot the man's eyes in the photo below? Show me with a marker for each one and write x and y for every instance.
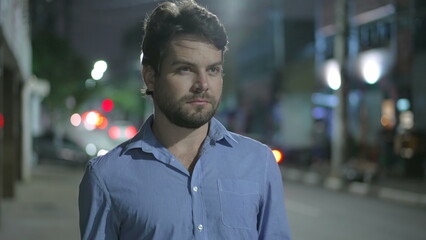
(210, 70)
(184, 69)
(215, 69)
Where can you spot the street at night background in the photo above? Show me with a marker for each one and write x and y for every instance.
(334, 86)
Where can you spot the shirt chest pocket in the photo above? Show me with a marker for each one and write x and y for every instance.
(239, 201)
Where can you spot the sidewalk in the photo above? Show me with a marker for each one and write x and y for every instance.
(44, 208)
(405, 191)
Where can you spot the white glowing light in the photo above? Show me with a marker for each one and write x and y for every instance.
(141, 57)
(374, 64)
(92, 118)
(99, 69)
(89, 127)
(91, 149)
(371, 71)
(332, 75)
(102, 152)
(96, 74)
(101, 65)
(406, 120)
(75, 119)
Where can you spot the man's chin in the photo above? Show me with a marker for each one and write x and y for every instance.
(192, 121)
(190, 124)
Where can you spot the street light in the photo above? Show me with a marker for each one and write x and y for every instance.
(99, 69)
(101, 65)
(371, 71)
(374, 64)
(332, 74)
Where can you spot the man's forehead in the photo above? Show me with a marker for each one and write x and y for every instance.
(192, 49)
(190, 41)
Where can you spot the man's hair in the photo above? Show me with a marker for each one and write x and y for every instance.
(171, 19)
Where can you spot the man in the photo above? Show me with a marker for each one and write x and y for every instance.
(183, 176)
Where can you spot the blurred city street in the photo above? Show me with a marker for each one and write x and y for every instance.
(335, 88)
(320, 214)
(46, 208)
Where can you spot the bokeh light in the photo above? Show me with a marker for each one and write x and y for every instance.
(100, 65)
(102, 123)
(371, 71)
(92, 118)
(96, 74)
(107, 105)
(114, 132)
(91, 149)
(403, 104)
(278, 155)
(332, 75)
(102, 152)
(1, 120)
(75, 119)
(99, 69)
(130, 132)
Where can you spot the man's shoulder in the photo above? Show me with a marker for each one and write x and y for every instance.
(247, 142)
(109, 161)
(234, 139)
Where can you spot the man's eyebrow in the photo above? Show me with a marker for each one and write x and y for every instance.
(216, 64)
(183, 62)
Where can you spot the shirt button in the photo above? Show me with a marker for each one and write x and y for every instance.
(200, 227)
(195, 188)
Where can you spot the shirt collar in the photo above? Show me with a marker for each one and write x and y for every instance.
(218, 132)
(146, 140)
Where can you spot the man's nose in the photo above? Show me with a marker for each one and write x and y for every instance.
(201, 82)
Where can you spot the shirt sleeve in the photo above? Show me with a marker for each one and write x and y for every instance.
(97, 220)
(272, 217)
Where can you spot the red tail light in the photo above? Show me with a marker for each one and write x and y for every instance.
(279, 156)
(130, 132)
(114, 132)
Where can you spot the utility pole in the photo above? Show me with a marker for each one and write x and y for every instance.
(339, 134)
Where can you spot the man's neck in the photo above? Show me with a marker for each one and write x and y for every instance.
(183, 143)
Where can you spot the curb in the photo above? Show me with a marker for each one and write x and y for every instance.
(357, 188)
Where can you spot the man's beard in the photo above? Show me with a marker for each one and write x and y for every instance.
(178, 115)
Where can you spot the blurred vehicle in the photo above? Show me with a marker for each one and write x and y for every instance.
(360, 170)
(50, 147)
(120, 131)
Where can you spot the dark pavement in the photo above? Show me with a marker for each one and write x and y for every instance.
(44, 208)
(319, 214)
(400, 190)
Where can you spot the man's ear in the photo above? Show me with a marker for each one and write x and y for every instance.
(148, 75)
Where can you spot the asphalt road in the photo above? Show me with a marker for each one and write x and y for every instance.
(319, 214)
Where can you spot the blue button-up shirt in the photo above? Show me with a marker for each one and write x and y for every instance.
(139, 190)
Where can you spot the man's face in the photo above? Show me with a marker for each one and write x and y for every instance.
(189, 87)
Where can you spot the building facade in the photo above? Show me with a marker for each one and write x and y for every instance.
(15, 72)
(385, 80)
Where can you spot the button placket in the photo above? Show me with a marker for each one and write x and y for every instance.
(197, 200)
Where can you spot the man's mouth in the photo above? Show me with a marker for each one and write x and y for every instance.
(199, 101)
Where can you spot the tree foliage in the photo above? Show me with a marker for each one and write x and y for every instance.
(56, 61)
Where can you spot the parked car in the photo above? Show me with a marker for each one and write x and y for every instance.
(50, 147)
(120, 131)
